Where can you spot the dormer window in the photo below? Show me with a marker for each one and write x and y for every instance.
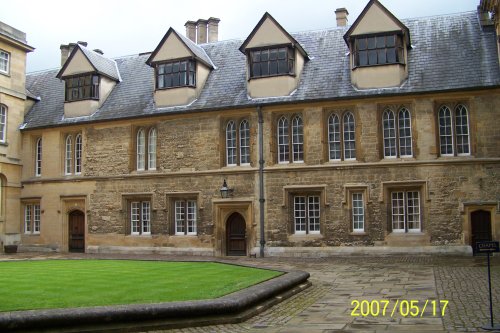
(378, 50)
(176, 74)
(272, 62)
(82, 87)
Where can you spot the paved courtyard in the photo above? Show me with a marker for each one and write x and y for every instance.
(384, 287)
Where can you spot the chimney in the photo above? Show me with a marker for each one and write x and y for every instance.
(484, 17)
(191, 30)
(213, 29)
(98, 51)
(341, 15)
(201, 26)
(66, 51)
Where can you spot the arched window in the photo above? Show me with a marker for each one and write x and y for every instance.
(231, 144)
(389, 133)
(68, 155)
(445, 131)
(283, 141)
(405, 137)
(349, 137)
(298, 139)
(244, 143)
(38, 157)
(3, 123)
(334, 138)
(462, 130)
(152, 149)
(78, 154)
(141, 149)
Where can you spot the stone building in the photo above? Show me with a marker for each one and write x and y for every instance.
(374, 137)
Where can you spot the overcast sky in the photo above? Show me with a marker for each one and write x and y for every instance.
(125, 27)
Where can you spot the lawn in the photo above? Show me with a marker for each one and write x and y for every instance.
(45, 284)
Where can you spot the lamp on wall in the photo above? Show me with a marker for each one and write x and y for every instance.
(225, 191)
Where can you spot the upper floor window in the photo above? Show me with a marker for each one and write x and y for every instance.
(290, 139)
(4, 62)
(397, 133)
(32, 218)
(237, 141)
(146, 148)
(306, 214)
(454, 131)
(378, 50)
(73, 155)
(176, 74)
(82, 87)
(272, 62)
(341, 137)
(38, 157)
(3, 123)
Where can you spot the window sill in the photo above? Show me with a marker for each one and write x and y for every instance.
(4, 143)
(379, 65)
(168, 88)
(358, 233)
(5, 73)
(141, 235)
(83, 99)
(184, 235)
(271, 76)
(31, 234)
(303, 237)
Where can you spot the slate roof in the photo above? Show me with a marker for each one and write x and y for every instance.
(101, 64)
(449, 53)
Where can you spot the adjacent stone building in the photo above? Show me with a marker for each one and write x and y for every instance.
(380, 136)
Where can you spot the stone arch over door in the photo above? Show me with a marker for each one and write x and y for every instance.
(481, 228)
(236, 234)
(76, 232)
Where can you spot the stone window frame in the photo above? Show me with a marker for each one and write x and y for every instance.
(347, 202)
(171, 198)
(452, 108)
(5, 58)
(292, 191)
(30, 207)
(127, 200)
(238, 139)
(340, 114)
(422, 186)
(72, 159)
(296, 150)
(396, 110)
(149, 159)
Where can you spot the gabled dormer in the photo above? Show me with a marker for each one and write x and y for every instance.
(378, 44)
(89, 78)
(181, 69)
(274, 60)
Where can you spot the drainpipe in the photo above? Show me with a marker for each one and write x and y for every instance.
(261, 181)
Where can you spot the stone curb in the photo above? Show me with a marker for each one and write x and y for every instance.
(135, 316)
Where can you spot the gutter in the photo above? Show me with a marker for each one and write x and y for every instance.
(261, 181)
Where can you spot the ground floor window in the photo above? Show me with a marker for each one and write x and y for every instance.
(358, 212)
(32, 218)
(405, 211)
(185, 217)
(306, 214)
(140, 217)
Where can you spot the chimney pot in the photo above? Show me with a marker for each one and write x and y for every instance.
(82, 43)
(201, 26)
(66, 51)
(341, 15)
(98, 51)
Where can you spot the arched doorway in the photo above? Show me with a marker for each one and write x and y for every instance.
(236, 242)
(76, 222)
(480, 227)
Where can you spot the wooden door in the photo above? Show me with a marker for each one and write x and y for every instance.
(481, 227)
(77, 231)
(236, 235)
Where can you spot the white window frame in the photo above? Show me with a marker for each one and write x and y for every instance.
(401, 208)
(307, 214)
(32, 218)
(461, 107)
(389, 133)
(38, 157)
(3, 123)
(140, 218)
(358, 211)
(152, 139)
(141, 150)
(283, 132)
(231, 144)
(394, 135)
(78, 154)
(68, 155)
(185, 217)
(349, 135)
(297, 139)
(447, 124)
(244, 142)
(4, 62)
(334, 134)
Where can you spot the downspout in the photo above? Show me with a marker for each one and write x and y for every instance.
(261, 181)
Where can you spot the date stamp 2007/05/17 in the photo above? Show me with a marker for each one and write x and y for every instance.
(402, 307)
